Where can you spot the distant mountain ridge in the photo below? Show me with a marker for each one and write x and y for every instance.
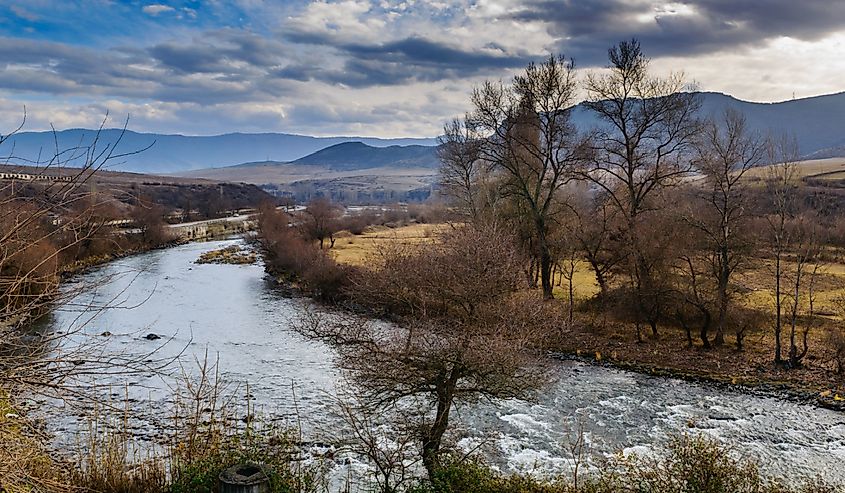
(818, 124)
(176, 153)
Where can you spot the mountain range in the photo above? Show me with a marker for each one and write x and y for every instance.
(817, 123)
(164, 154)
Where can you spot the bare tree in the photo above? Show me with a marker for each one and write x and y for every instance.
(385, 436)
(727, 150)
(595, 232)
(531, 143)
(321, 220)
(462, 170)
(781, 184)
(461, 333)
(802, 278)
(47, 211)
(148, 217)
(642, 146)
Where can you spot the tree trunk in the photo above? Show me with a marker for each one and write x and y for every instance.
(778, 309)
(546, 275)
(434, 436)
(705, 327)
(545, 262)
(685, 326)
(723, 308)
(600, 279)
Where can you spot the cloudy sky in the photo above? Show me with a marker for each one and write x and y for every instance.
(377, 67)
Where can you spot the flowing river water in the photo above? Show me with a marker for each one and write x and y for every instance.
(242, 320)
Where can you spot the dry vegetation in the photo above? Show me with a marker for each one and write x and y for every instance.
(356, 250)
(735, 275)
(234, 255)
(591, 244)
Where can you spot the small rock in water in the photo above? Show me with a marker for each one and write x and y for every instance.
(152, 337)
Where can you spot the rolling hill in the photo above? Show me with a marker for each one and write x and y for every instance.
(357, 155)
(351, 171)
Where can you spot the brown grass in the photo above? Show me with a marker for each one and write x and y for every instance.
(835, 166)
(355, 250)
(614, 339)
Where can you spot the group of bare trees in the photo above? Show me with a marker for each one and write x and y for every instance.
(654, 197)
(658, 203)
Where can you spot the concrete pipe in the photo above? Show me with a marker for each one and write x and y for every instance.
(245, 478)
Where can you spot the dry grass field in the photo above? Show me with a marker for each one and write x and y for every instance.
(755, 281)
(833, 168)
(611, 339)
(355, 250)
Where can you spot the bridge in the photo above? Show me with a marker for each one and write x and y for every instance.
(213, 228)
(34, 177)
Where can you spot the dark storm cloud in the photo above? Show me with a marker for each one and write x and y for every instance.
(189, 59)
(219, 52)
(409, 59)
(681, 28)
(198, 73)
(426, 53)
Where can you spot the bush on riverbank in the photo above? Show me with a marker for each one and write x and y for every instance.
(687, 464)
(289, 255)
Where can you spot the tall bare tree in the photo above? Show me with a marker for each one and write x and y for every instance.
(461, 168)
(781, 184)
(727, 150)
(532, 144)
(643, 144)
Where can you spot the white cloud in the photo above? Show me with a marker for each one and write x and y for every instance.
(156, 9)
(773, 72)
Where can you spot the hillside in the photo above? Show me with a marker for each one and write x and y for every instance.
(205, 198)
(351, 172)
(817, 123)
(357, 155)
(175, 153)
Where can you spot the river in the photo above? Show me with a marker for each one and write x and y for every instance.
(242, 320)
